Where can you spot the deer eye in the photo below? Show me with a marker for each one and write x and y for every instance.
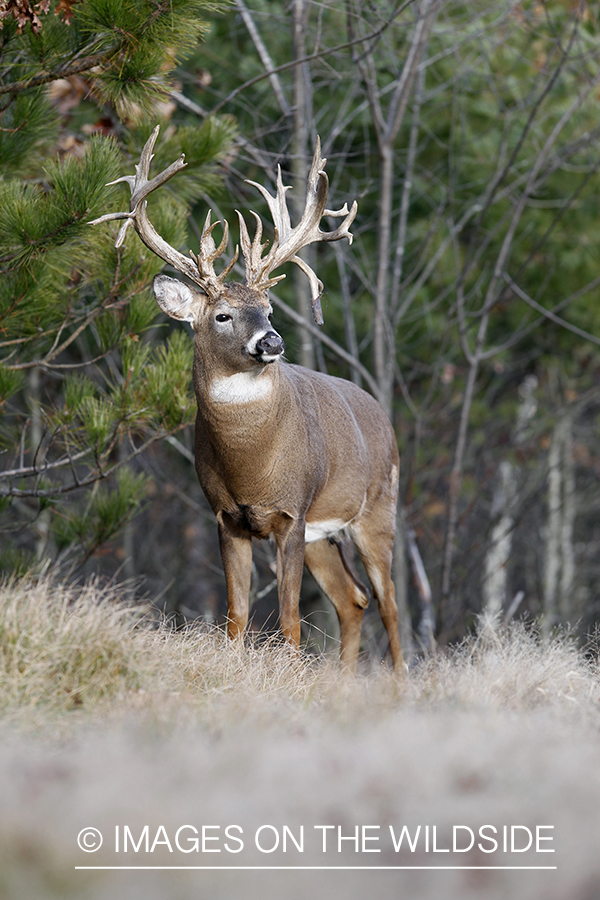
(222, 317)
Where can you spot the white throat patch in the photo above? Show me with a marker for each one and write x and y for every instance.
(242, 387)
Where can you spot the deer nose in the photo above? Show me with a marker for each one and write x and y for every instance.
(271, 344)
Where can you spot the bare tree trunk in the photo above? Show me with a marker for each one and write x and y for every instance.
(300, 169)
(42, 524)
(498, 555)
(426, 628)
(264, 56)
(567, 577)
(456, 480)
(127, 544)
(387, 126)
(399, 576)
(495, 582)
(559, 562)
(553, 533)
(349, 327)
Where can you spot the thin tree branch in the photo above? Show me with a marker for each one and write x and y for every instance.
(264, 56)
(548, 314)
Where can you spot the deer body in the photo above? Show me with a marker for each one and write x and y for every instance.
(280, 450)
(266, 457)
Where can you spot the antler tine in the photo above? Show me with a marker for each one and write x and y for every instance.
(289, 241)
(221, 278)
(202, 272)
(252, 251)
(209, 260)
(208, 253)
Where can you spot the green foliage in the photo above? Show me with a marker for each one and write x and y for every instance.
(103, 516)
(28, 125)
(16, 561)
(167, 381)
(202, 145)
(10, 382)
(37, 221)
(127, 47)
(85, 382)
(95, 415)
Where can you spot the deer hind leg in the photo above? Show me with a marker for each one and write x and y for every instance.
(375, 548)
(236, 554)
(290, 563)
(328, 566)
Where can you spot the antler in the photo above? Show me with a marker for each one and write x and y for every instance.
(286, 244)
(288, 241)
(200, 268)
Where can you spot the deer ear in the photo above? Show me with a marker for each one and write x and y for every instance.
(176, 298)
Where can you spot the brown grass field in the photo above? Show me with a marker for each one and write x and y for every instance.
(111, 720)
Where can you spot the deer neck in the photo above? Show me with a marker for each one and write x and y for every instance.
(237, 407)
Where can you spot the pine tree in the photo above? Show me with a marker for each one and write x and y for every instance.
(87, 381)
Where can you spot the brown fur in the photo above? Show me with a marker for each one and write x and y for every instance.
(304, 448)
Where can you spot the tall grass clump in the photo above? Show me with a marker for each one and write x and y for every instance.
(509, 666)
(67, 647)
(64, 647)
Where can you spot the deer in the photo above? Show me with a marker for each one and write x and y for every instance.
(281, 451)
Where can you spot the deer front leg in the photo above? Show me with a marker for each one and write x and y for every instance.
(236, 554)
(290, 563)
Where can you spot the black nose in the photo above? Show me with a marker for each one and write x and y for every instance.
(270, 344)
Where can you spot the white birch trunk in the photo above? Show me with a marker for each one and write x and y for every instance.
(559, 559)
(399, 576)
(567, 575)
(495, 584)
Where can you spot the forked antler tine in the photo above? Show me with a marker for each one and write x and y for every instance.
(277, 205)
(139, 184)
(257, 246)
(342, 230)
(252, 251)
(208, 249)
(207, 244)
(140, 187)
(122, 232)
(209, 252)
(141, 190)
(281, 216)
(201, 270)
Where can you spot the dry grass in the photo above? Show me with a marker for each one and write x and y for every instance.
(112, 719)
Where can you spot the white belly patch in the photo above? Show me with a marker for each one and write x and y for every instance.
(318, 531)
(239, 388)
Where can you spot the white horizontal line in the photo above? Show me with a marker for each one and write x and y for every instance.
(319, 868)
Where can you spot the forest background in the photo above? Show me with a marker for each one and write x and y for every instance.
(468, 133)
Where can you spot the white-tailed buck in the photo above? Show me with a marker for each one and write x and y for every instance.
(281, 450)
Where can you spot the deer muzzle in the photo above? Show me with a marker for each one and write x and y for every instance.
(270, 344)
